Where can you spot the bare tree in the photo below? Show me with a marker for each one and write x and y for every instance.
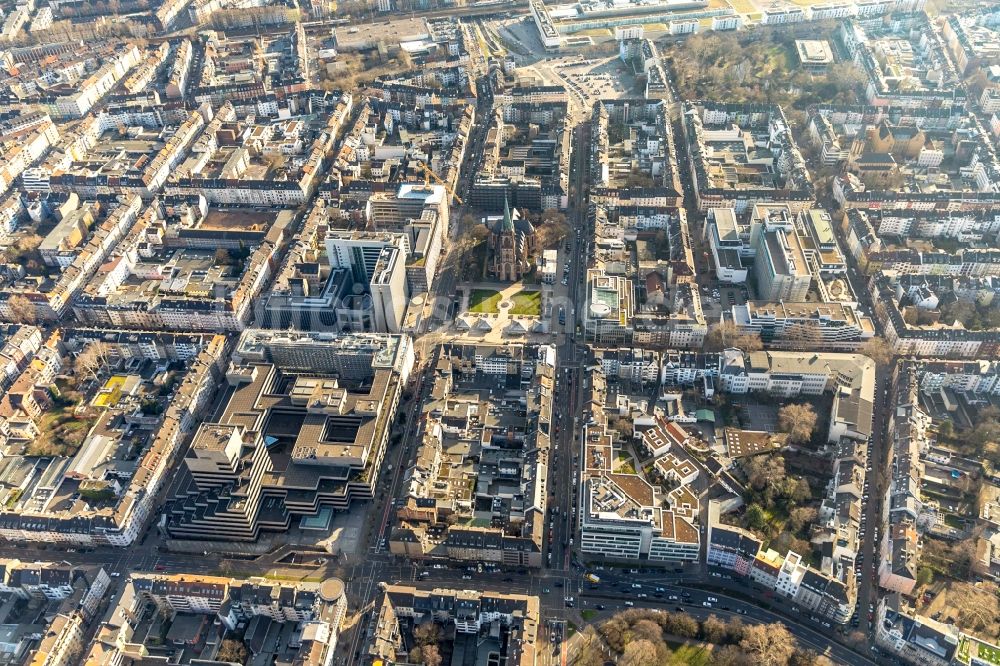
(713, 630)
(589, 649)
(801, 516)
(878, 350)
(223, 257)
(765, 473)
(431, 655)
(729, 655)
(643, 653)
(798, 420)
(23, 247)
(856, 638)
(92, 359)
(614, 631)
(275, 160)
(22, 310)
(768, 644)
(727, 334)
(734, 630)
(553, 228)
(804, 658)
(234, 651)
(648, 630)
(680, 624)
(473, 235)
(427, 633)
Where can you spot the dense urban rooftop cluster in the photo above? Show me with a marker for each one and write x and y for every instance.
(478, 489)
(342, 333)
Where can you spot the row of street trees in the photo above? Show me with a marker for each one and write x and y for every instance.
(638, 637)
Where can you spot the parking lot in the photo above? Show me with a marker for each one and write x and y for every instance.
(595, 79)
(589, 80)
(717, 297)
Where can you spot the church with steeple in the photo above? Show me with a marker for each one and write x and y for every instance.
(510, 245)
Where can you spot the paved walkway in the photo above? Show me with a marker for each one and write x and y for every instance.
(501, 320)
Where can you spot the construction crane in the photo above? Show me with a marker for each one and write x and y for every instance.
(429, 173)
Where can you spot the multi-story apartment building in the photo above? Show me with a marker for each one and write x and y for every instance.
(51, 300)
(975, 379)
(507, 627)
(730, 547)
(850, 377)
(783, 16)
(203, 290)
(961, 227)
(180, 70)
(781, 272)
(19, 154)
(448, 484)
(90, 91)
(935, 340)
(910, 440)
(973, 45)
(626, 516)
(630, 364)
(241, 476)
(241, 180)
(728, 167)
(917, 639)
(831, 596)
(124, 518)
(313, 611)
(830, 326)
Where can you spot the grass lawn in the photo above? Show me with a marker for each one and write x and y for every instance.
(952, 520)
(742, 6)
(588, 614)
(988, 654)
(527, 303)
(689, 655)
(484, 300)
(593, 32)
(624, 464)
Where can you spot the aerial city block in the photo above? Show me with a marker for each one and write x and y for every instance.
(499, 332)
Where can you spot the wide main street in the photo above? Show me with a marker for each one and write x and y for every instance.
(552, 585)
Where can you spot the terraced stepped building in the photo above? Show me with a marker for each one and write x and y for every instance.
(301, 433)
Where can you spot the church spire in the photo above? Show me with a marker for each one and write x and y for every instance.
(508, 221)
